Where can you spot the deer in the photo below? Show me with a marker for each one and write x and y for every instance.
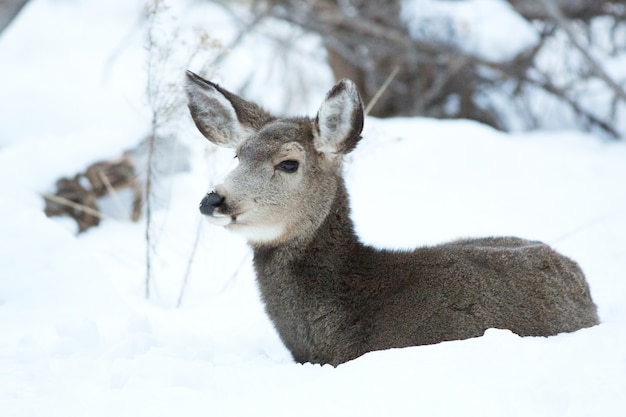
(332, 298)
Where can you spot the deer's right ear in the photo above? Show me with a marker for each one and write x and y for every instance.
(221, 116)
(339, 121)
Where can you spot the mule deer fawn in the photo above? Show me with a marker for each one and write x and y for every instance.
(332, 298)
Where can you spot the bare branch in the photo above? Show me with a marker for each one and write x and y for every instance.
(561, 94)
(245, 28)
(571, 9)
(75, 206)
(9, 9)
(367, 42)
(192, 255)
(553, 10)
(381, 90)
(112, 192)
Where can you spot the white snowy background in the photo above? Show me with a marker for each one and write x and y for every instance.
(78, 337)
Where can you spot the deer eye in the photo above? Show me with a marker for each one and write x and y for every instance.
(288, 166)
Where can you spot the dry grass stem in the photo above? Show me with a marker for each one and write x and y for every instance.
(76, 206)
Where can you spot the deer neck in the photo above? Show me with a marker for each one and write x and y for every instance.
(298, 281)
(333, 239)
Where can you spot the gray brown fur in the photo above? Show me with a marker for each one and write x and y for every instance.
(330, 297)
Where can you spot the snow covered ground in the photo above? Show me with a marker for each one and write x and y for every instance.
(77, 337)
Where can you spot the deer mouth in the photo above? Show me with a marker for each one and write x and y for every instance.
(256, 234)
(218, 219)
(239, 221)
(217, 211)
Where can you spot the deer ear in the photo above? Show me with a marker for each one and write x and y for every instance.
(339, 121)
(221, 116)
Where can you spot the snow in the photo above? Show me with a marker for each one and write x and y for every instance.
(78, 337)
(489, 29)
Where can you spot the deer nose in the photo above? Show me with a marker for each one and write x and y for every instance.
(210, 202)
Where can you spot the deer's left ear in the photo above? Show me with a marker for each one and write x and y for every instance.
(339, 122)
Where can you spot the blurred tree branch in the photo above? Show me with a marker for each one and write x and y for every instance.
(570, 9)
(365, 41)
(9, 9)
(557, 15)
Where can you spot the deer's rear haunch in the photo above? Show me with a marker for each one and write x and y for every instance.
(331, 298)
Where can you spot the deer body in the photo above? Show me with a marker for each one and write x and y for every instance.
(330, 297)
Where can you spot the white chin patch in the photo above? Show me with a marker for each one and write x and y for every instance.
(219, 220)
(257, 234)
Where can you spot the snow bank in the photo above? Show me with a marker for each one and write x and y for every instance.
(78, 339)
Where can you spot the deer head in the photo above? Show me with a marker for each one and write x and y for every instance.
(289, 168)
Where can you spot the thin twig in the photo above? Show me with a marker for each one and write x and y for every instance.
(189, 262)
(578, 109)
(592, 222)
(236, 272)
(381, 90)
(76, 206)
(553, 10)
(148, 191)
(245, 29)
(455, 65)
(113, 193)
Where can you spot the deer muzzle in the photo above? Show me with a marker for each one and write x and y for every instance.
(210, 202)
